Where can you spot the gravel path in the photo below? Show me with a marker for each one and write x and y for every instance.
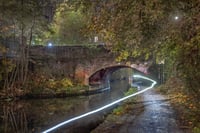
(156, 116)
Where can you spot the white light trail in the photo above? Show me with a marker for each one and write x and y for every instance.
(104, 107)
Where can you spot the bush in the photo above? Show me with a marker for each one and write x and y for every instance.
(118, 111)
(130, 91)
(189, 65)
(196, 130)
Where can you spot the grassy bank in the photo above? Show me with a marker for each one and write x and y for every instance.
(39, 86)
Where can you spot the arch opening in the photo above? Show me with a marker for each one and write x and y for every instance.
(102, 75)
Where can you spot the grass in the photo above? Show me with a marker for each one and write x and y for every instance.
(125, 106)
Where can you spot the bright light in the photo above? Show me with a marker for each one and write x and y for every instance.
(33, 43)
(104, 107)
(50, 44)
(176, 17)
(96, 39)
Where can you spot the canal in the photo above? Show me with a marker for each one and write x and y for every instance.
(34, 116)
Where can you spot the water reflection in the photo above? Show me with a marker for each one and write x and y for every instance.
(14, 118)
(33, 116)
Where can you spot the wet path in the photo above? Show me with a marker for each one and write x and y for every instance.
(152, 114)
(157, 117)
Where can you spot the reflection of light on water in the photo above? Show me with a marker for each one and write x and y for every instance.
(104, 107)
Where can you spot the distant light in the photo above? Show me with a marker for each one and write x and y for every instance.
(96, 39)
(50, 44)
(176, 17)
(161, 62)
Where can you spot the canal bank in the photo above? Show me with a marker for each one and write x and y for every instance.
(37, 115)
(151, 113)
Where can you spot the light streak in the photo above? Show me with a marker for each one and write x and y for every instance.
(104, 107)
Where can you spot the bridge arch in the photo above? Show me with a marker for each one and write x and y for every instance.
(100, 75)
(80, 63)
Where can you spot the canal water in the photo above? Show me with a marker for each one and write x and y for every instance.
(35, 116)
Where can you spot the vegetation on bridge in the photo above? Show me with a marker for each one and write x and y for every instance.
(168, 31)
(23, 24)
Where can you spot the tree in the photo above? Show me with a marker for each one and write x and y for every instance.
(67, 25)
(167, 30)
(20, 21)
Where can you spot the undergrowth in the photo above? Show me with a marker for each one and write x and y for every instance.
(186, 103)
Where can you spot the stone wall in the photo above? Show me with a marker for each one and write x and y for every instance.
(77, 62)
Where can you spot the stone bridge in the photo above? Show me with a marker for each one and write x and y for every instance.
(85, 64)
